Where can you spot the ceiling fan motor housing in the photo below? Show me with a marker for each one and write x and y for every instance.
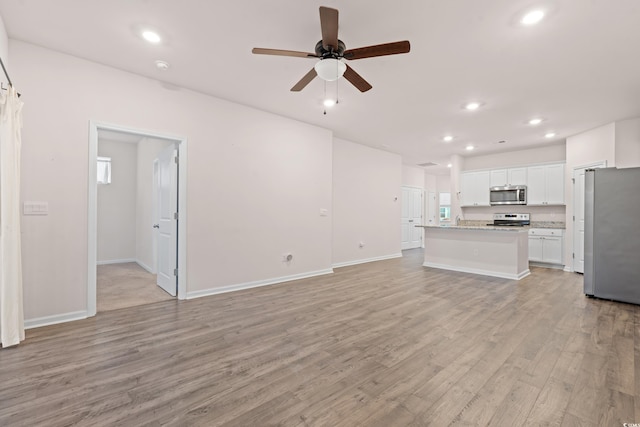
(335, 53)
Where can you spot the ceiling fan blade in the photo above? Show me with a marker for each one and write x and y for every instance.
(329, 26)
(304, 81)
(280, 52)
(355, 79)
(378, 50)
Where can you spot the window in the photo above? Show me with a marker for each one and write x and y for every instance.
(445, 206)
(104, 170)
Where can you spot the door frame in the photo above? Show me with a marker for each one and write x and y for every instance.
(422, 212)
(92, 207)
(600, 164)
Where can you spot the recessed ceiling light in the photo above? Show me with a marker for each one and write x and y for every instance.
(472, 106)
(469, 147)
(151, 36)
(447, 138)
(449, 165)
(535, 121)
(329, 102)
(550, 135)
(162, 65)
(533, 17)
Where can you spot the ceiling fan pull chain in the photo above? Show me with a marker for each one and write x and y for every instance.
(337, 83)
(325, 97)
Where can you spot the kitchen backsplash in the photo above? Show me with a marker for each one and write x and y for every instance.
(538, 213)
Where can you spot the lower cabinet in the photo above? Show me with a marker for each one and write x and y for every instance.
(545, 245)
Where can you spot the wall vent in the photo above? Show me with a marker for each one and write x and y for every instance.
(426, 165)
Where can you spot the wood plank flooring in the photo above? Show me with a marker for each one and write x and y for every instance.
(389, 343)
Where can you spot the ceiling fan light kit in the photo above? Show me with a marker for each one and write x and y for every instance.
(331, 51)
(330, 69)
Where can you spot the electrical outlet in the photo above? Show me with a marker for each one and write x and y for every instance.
(287, 257)
(361, 245)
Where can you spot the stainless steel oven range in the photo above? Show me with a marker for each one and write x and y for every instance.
(511, 219)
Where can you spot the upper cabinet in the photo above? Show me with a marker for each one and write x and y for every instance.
(545, 185)
(474, 188)
(512, 176)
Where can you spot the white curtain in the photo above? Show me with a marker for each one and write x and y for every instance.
(11, 312)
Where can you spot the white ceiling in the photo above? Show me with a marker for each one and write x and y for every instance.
(578, 69)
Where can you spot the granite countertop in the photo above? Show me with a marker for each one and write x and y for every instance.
(483, 225)
(548, 224)
(534, 224)
(476, 227)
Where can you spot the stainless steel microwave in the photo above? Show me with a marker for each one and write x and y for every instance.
(508, 195)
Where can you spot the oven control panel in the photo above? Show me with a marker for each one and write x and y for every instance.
(511, 216)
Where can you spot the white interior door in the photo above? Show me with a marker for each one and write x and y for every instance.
(411, 216)
(404, 220)
(167, 226)
(416, 218)
(578, 216)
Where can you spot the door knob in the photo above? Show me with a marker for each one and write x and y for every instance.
(156, 225)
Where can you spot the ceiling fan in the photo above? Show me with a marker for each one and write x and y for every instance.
(330, 50)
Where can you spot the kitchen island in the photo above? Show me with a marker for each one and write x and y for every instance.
(487, 250)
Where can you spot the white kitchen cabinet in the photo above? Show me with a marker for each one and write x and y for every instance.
(511, 176)
(545, 184)
(545, 245)
(474, 188)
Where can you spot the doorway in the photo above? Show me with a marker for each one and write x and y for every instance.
(578, 214)
(412, 207)
(141, 267)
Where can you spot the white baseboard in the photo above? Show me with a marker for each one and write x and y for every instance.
(55, 319)
(256, 284)
(567, 269)
(363, 261)
(145, 266)
(116, 261)
(479, 271)
(546, 265)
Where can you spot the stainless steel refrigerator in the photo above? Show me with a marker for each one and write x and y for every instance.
(612, 234)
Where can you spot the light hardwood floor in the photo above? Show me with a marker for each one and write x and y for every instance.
(389, 343)
(126, 285)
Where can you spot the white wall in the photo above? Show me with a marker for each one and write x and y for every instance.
(256, 181)
(584, 149)
(116, 227)
(594, 145)
(413, 176)
(430, 182)
(443, 184)
(366, 203)
(618, 144)
(147, 151)
(627, 149)
(544, 154)
(4, 52)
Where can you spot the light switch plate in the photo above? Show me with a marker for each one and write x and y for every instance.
(35, 208)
